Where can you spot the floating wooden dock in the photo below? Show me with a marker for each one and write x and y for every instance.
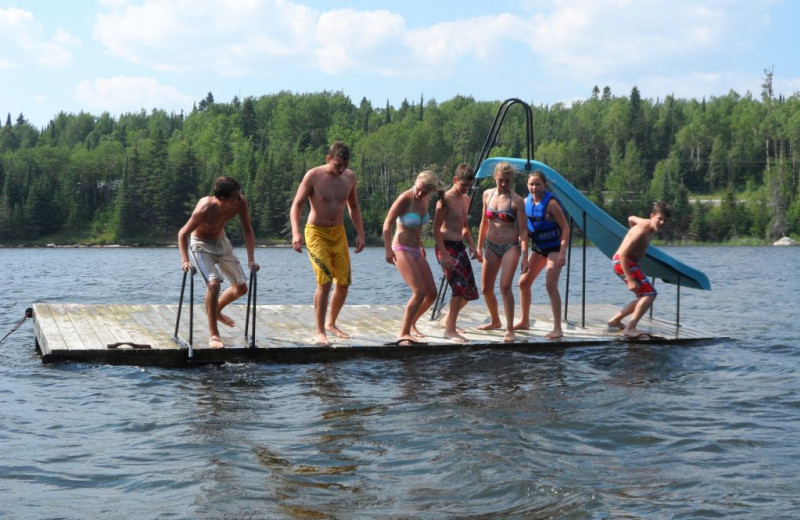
(145, 334)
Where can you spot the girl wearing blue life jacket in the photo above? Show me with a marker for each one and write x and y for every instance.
(549, 236)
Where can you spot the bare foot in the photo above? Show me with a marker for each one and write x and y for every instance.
(321, 340)
(225, 320)
(443, 324)
(555, 334)
(455, 336)
(509, 337)
(522, 325)
(631, 332)
(615, 325)
(491, 326)
(407, 342)
(215, 342)
(336, 331)
(416, 333)
(458, 329)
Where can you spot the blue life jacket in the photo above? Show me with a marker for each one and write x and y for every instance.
(544, 233)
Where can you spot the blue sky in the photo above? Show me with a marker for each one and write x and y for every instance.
(127, 55)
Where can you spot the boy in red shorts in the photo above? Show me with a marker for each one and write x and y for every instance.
(450, 230)
(626, 265)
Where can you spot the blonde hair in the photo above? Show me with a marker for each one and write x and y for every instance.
(430, 181)
(503, 168)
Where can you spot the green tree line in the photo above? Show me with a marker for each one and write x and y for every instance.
(728, 165)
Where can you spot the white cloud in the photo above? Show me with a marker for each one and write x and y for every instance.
(120, 94)
(597, 37)
(347, 39)
(444, 44)
(204, 35)
(22, 42)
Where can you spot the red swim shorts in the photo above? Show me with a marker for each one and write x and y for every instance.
(645, 287)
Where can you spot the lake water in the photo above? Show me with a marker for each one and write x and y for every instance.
(617, 431)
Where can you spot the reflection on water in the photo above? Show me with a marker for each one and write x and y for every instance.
(616, 431)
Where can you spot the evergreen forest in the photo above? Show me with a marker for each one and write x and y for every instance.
(728, 165)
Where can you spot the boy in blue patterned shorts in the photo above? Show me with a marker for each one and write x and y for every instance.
(626, 265)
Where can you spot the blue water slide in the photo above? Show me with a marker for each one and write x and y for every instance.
(604, 232)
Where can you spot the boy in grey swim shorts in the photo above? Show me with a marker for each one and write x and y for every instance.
(213, 252)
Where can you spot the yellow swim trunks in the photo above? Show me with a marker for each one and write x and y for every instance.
(327, 250)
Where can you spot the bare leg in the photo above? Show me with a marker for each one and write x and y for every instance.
(491, 266)
(212, 307)
(551, 283)
(509, 265)
(450, 329)
(525, 283)
(337, 302)
(454, 310)
(616, 321)
(417, 275)
(229, 295)
(320, 310)
(640, 308)
(429, 288)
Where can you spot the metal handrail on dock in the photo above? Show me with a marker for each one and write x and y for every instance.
(176, 338)
(250, 335)
(491, 139)
(250, 322)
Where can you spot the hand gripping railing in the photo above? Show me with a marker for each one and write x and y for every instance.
(488, 144)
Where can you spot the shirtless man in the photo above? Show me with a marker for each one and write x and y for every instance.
(211, 248)
(328, 188)
(626, 259)
(451, 230)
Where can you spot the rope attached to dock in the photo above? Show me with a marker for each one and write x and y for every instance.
(28, 314)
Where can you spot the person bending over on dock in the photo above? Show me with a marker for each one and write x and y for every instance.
(626, 265)
(505, 235)
(409, 213)
(328, 189)
(451, 230)
(549, 237)
(204, 233)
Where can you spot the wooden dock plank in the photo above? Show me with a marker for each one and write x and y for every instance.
(138, 335)
(286, 332)
(102, 328)
(72, 339)
(106, 318)
(48, 335)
